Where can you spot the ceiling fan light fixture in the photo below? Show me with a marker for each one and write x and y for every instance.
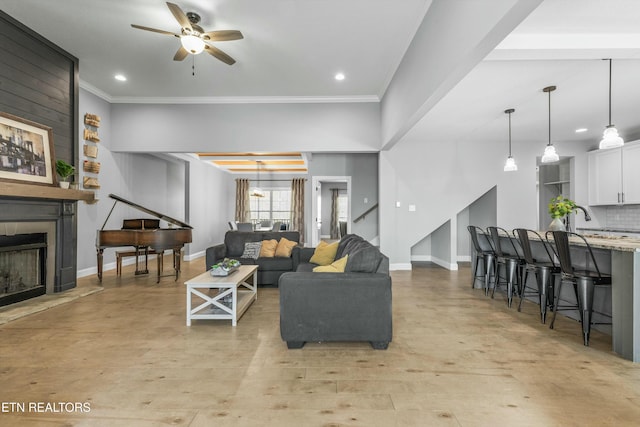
(193, 44)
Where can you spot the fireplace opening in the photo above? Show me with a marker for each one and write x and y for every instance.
(23, 261)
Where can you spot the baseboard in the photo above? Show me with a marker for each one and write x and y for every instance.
(421, 258)
(92, 271)
(444, 264)
(400, 266)
(464, 258)
(194, 256)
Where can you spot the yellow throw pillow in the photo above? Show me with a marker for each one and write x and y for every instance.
(337, 266)
(268, 249)
(284, 248)
(325, 253)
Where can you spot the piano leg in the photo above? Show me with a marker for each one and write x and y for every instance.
(99, 255)
(146, 257)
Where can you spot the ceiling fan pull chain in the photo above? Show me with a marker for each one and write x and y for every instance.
(193, 66)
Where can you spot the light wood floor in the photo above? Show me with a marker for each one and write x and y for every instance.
(457, 359)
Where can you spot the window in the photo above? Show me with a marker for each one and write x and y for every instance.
(343, 209)
(274, 206)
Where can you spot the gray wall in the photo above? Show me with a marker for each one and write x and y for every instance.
(192, 128)
(363, 170)
(180, 186)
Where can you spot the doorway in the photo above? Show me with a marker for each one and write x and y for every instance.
(321, 203)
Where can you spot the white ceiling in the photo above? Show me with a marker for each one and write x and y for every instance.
(293, 48)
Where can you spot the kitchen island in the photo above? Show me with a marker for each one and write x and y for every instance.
(620, 257)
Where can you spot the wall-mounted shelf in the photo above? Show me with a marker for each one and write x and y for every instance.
(14, 189)
(556, 182)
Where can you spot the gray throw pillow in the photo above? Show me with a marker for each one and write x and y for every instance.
(251, 250)
(364, 259)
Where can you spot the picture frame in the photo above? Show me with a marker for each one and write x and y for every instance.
(26, 151)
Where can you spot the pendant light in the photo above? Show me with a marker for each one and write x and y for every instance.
(550, 154)
(610, 137)
(257, 191)
(510, 164)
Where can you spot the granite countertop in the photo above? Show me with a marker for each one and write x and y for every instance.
(611, 230)
(616, 243)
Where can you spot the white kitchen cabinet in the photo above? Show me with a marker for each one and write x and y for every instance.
(614, 175)
(631, 174)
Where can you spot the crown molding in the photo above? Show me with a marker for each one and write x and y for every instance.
(94, 90)
(245, 99)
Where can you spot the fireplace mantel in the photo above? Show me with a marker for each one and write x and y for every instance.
(14, 189)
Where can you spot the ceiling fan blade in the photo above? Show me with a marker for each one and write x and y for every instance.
(214, 51)
(180, 16)
(223, 36)
(181, 54)
(155, 30)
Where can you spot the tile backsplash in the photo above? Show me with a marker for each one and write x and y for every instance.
(623, 217)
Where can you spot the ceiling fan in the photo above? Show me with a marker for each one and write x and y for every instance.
(193, 38)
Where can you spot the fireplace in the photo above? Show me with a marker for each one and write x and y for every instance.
(23, 265)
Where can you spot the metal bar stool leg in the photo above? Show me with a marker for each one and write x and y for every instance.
(585, 288)
(489, 268)
(543, 277)
(556, 299)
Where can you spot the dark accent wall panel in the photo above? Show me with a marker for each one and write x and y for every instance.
(39, 81)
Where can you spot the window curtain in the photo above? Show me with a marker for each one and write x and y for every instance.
(335, 230)
(243, 210)
(297, 206)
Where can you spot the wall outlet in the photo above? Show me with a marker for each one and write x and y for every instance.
(366, 200)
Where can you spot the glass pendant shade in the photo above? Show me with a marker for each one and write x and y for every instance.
(610, 138)
(257, 191)
(550, 155)
(510, 165)
(193, 44)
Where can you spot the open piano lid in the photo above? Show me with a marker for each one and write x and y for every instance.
(147, 210)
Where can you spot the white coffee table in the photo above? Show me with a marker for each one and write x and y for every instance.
(242, 292)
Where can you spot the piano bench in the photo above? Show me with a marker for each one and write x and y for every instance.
(123, 254)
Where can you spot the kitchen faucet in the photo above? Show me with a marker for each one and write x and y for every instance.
(587, 217)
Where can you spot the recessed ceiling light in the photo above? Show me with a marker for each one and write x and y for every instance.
(580, 130)
(339, 76)
(120, 78)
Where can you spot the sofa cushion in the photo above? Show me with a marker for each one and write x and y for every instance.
(336, 266)
(268, 248)
(284, 248)
(251, 250)
(247, 261)
(363, 259)
(275, 264)
(325, 253)
(305, 267)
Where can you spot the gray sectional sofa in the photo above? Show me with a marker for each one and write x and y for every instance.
(269, 269)
(352, 306)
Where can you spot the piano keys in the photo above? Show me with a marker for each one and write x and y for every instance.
(142, 234)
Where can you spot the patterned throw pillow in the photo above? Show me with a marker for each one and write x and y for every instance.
(251, 250)
(268, 249)
(285, 246)
(335, 267)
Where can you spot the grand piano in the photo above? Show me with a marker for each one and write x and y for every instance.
(143, 234)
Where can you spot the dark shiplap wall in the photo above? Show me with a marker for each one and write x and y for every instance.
(39, 82)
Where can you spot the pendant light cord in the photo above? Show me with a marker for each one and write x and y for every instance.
(549, 143)
(509, 134)
(610, 91)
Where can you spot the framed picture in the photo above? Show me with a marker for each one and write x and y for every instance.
(26, 151)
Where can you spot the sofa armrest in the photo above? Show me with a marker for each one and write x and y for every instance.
(214, 254)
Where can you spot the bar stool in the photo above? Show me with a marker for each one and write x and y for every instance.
(584, 281)
(543, 270)
(484, 254)
(512, 262)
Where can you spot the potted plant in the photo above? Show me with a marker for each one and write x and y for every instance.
(64, 170)
(560, 207)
